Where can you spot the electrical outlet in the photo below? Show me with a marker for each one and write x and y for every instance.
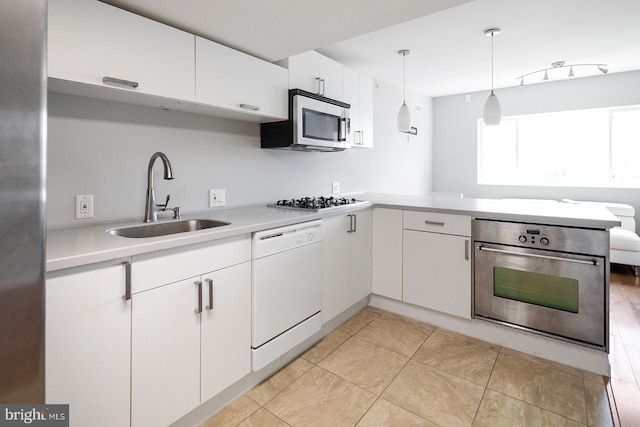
(84, 206)
(217, 198)
(335, 188)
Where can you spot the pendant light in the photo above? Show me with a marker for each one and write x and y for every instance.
(492, 109)
(404, 116)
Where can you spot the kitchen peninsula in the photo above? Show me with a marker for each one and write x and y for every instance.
(85, 264)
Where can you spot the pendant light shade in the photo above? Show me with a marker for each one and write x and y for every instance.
(404, 118)
(492, 110)
(404, 115)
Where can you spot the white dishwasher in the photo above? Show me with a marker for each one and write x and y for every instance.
(286, 289)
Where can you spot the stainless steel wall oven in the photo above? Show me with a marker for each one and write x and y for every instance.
(548, 279)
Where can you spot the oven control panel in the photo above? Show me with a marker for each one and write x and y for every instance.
(533, 236)
(541, 236)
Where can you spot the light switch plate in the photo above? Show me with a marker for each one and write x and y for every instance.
(335, 187)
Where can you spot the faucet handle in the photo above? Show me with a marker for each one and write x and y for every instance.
(166, 203)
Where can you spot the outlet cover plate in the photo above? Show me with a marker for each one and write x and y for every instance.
(84, 206)
(217, 198)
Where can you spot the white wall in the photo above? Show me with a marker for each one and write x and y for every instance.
(103, 148)
(455, 127)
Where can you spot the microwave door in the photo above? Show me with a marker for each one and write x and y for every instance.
(321, 126)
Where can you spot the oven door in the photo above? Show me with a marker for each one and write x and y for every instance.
(320, 124)
(554, 293)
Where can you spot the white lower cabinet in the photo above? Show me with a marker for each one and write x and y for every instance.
(191, 338)
(387, 253)
(346, 261)
(88, 345)
(436, 267)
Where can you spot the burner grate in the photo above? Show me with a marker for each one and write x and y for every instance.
(314, 203)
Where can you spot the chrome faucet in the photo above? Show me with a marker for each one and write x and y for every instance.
(151, 208)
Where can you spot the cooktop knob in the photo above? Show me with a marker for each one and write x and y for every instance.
(522, 238)
(544, 241)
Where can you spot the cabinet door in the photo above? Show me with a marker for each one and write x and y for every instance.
(365, 110)
(88, 339)
(233, 80)
(89, 40)
(360, 256)
(331, 73)
(350, 95)
(387, 253)
(335, 266)
(226, 329)
(437, 272)
(316, 73)
(165, 382)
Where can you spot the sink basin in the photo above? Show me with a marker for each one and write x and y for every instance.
(164, 228)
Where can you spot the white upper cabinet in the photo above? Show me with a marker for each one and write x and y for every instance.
(316, 73)
(105, 47)
(358, 92)
(231, 80)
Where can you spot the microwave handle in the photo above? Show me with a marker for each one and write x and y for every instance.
(345, 128)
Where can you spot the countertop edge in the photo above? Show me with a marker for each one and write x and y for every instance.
(82, 246)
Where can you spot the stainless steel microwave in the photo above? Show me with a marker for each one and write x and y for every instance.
(315, 123)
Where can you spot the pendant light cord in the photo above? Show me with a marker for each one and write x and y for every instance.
(404, 77)
(492, 62)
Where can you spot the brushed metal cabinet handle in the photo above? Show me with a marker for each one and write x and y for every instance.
(250, 107)
(127, 281)
(318, 80)
(466, 250)
(350, 230)
(440, 223)
(107, 79)
(322, 82)
(355, 222)
(210, 282)
(199, 285)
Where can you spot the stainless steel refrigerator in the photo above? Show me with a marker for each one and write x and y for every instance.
(23, 118)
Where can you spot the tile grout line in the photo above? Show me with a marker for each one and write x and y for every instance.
(484, 392)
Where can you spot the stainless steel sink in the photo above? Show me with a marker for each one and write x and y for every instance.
(164, 228)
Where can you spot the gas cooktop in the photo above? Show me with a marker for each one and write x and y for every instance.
(315, 203)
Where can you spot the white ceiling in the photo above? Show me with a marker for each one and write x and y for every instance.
(449, 52)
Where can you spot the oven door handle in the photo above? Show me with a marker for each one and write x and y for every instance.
(577, 261)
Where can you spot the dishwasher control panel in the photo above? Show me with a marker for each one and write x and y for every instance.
(276, 240)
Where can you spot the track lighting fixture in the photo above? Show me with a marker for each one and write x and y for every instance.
(561, 64)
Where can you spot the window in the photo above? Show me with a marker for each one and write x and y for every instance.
(587, 148)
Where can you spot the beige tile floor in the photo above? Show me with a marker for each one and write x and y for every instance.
(381, 369)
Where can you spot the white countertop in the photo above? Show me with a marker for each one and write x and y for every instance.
(77, 246)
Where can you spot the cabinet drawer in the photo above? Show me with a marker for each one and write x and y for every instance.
(437, 222)
(160, 268)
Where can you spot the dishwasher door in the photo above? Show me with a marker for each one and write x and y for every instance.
(286, 289)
